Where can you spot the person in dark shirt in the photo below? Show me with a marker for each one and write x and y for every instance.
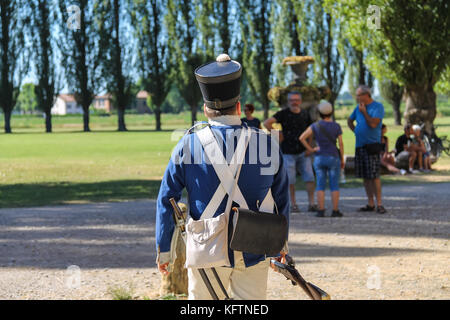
(405, 153)
(294, 122)
(387, 158)
(249, 119)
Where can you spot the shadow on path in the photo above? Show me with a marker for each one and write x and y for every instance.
(121, 234)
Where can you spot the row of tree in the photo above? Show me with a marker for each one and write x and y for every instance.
(110, 45)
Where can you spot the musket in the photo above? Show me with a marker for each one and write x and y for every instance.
(180, 222)
(179, 217)
(291, 273)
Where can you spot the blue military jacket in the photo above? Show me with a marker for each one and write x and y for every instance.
(188, 169)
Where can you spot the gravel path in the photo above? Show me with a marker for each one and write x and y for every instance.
(86, 251)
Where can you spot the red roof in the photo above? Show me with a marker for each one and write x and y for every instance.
(67, 97)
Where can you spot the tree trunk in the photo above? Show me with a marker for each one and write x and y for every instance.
(193, 114)
(121, 119)
(158, 118)
(48, 122)
(332, 100)
(86, 120)
(420, 105)
(266, 106)
(397, 113)
(7, 122)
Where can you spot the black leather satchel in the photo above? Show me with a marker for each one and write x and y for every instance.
(374, 148)
(258, 232)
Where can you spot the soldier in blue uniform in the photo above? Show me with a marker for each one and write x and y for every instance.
(260, 182)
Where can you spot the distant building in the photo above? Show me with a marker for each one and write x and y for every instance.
(66, 104)
(103, 103)
(140, 103)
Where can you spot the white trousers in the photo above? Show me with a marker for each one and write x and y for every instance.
(240, 282)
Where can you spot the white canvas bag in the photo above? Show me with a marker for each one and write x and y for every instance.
(207, 238)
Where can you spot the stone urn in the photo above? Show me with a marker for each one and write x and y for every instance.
(299, 65)
(311, 95)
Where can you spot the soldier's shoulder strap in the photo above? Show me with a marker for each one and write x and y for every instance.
(197, 127)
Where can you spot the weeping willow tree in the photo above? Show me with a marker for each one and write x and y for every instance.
(258, 49)
(116, 63)
(82, 55)
(153, 52)
(289, 34)
(186, 51)
(42, 18)
(13, 60)
(222, 10)
(392, 93)
(324, 36)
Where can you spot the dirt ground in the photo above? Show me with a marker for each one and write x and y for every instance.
(90, 251)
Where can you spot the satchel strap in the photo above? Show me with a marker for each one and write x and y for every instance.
(268, 204)
(327, 135)
(226, 173)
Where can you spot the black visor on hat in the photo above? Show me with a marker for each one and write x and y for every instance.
(220, 83)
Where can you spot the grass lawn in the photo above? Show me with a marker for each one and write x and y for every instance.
(70, 166)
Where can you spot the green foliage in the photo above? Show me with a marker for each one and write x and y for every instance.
(153, 52)
(406, 42)
(42, 18)
(324, 36)
(186, 52)
(174, 102)
(13, 66)
(392, 93)
(257, 47)
(222, 16)
(26, 102)
(82, 54)
(290, 36)
(411, 44)
(358, 72)
(116, 64)
(121, 293)
(443, 85)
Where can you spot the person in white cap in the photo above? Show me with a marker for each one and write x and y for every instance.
(328, 160)
(423, 156)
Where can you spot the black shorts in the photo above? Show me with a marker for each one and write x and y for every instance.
(367, 166)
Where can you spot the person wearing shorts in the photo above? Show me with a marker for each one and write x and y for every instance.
(368, 115)
(328, 159)
(294, 122)
(405, 153)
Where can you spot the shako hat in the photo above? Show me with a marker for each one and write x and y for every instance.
(220, 82)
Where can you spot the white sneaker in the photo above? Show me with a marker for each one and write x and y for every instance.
(402, 172)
